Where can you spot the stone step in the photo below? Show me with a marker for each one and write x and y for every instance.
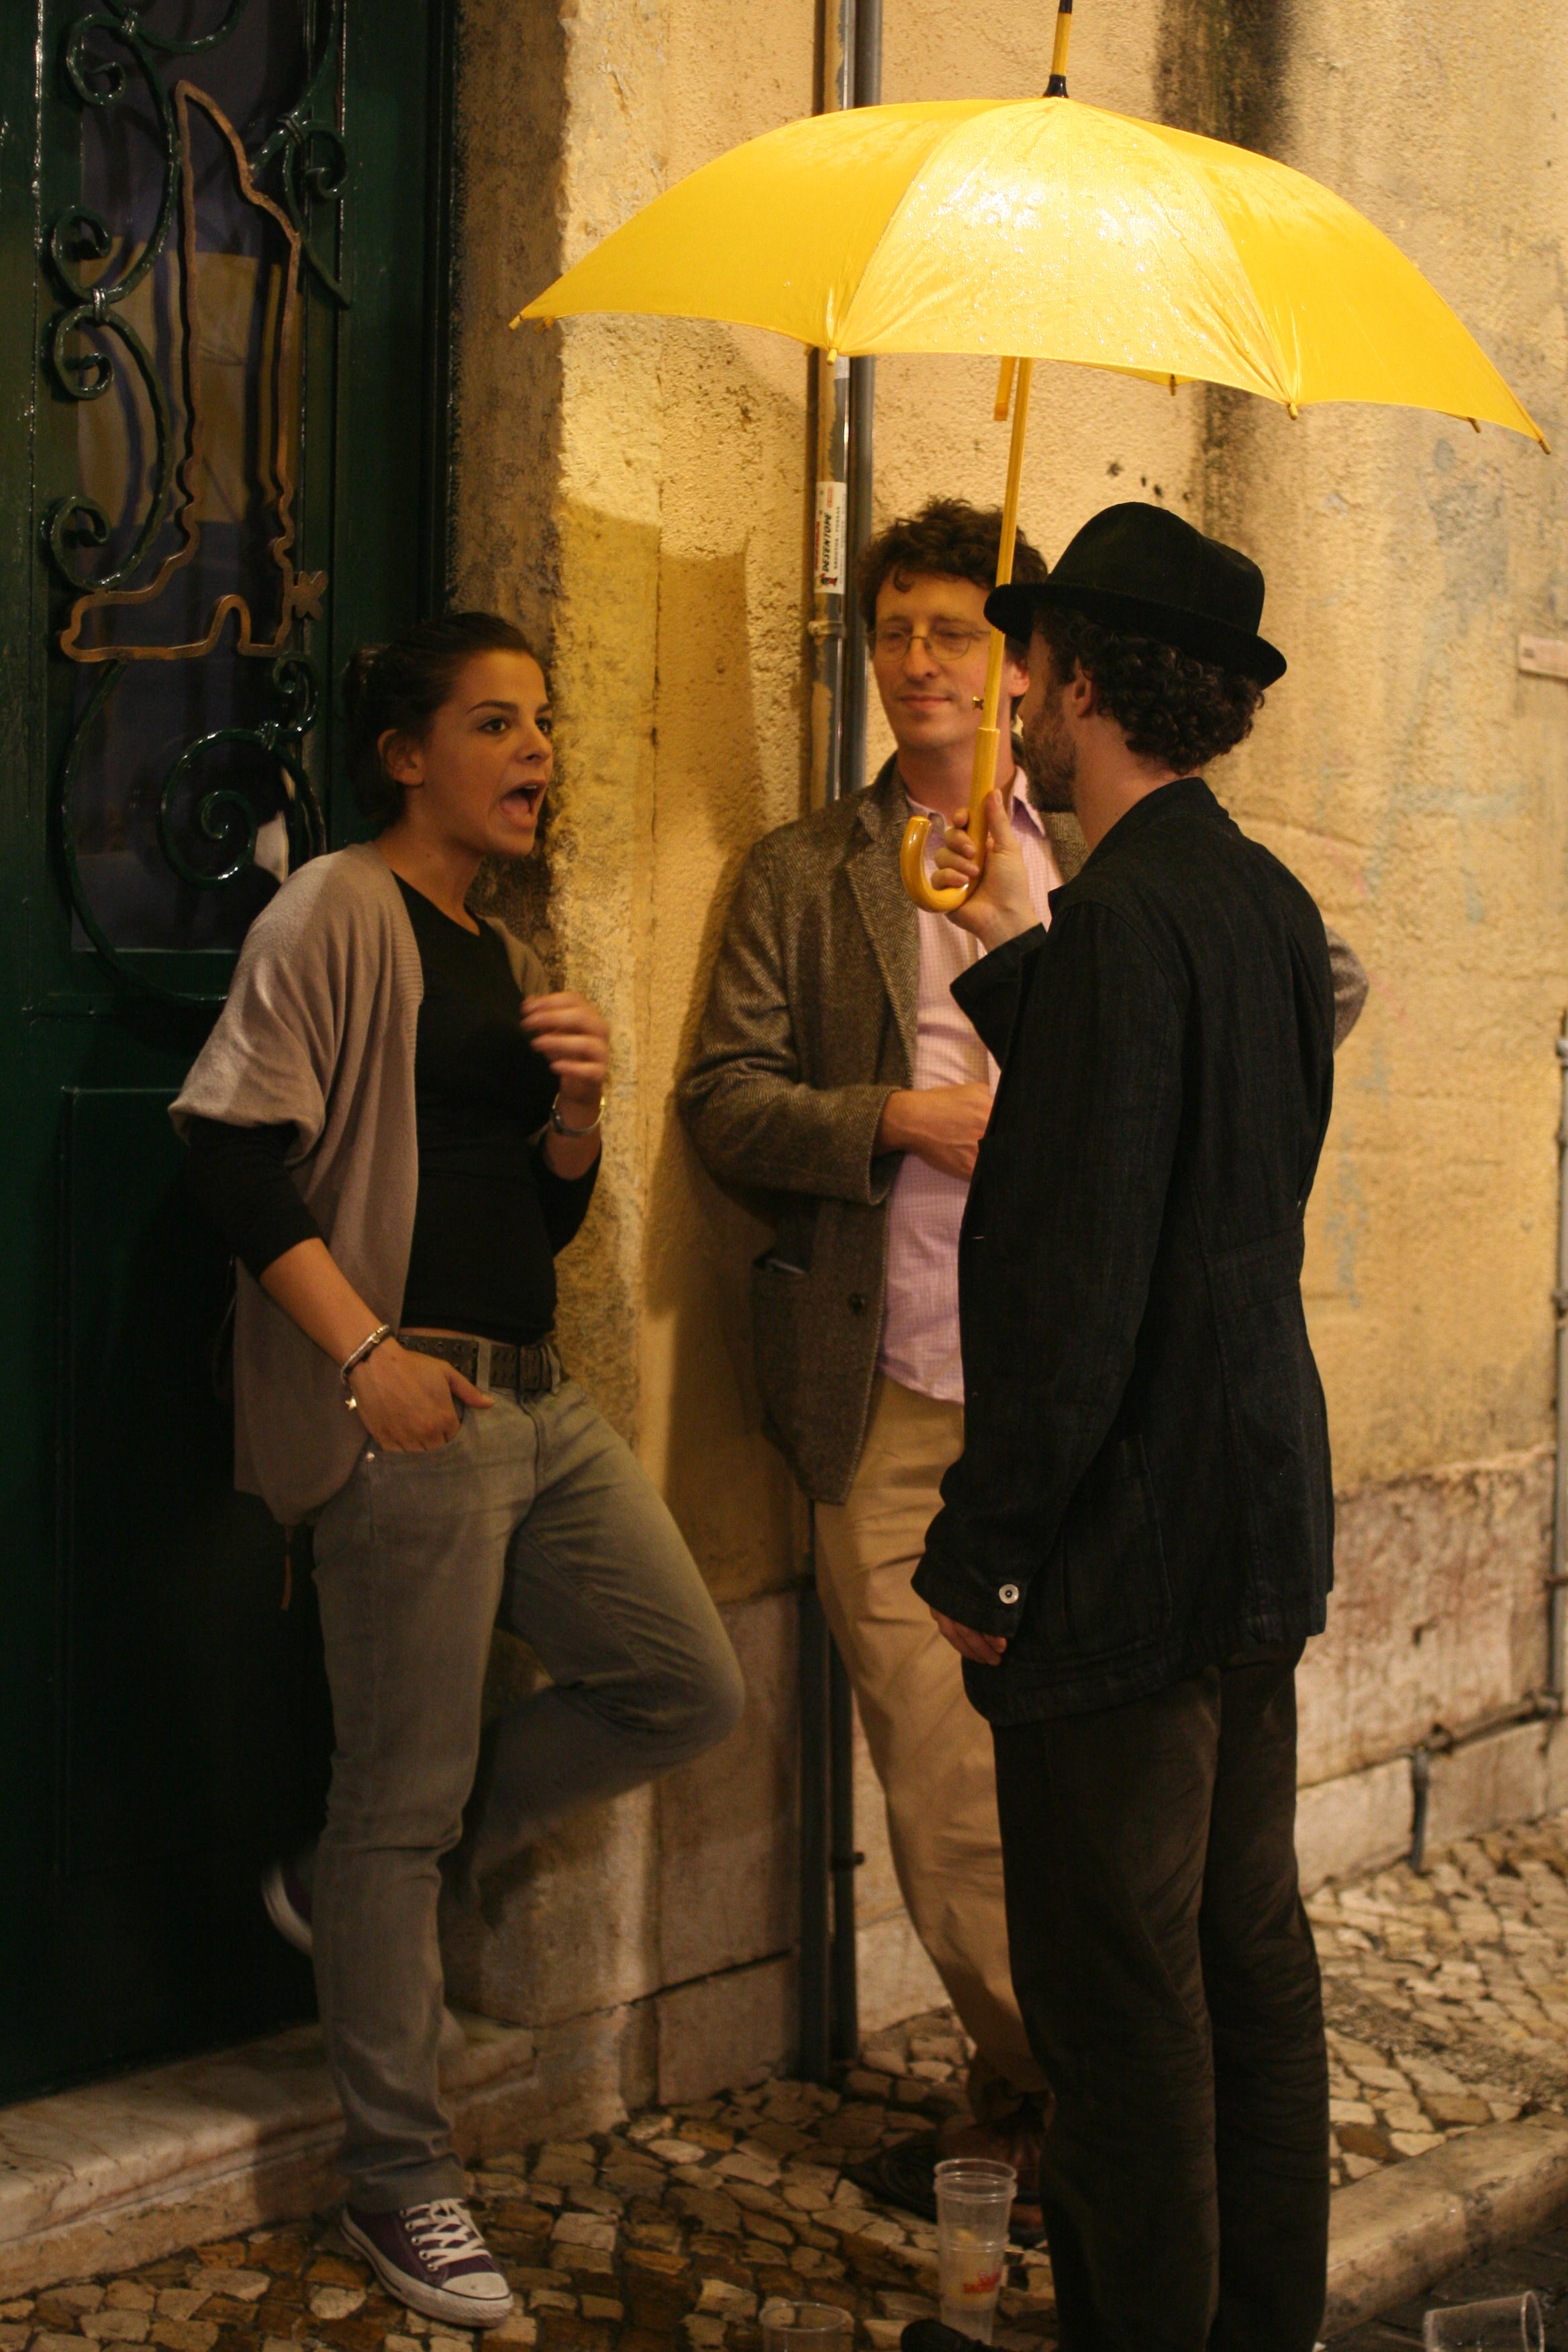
(119, 2173)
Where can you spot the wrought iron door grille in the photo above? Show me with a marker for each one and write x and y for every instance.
(213, 165)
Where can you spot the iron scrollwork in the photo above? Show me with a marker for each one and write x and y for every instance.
(219, 813)
(107, 48)
(221, 809)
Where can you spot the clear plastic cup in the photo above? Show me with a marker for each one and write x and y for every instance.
(1507, 2323)
(805, 2327)
(973, 2201)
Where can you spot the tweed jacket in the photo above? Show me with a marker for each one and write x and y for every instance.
(1144, 1488)
(809, 1026)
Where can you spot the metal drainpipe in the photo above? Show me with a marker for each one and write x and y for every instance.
(867, 91)
(830, 528)
(851, 39)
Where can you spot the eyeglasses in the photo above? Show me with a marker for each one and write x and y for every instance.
(946, 641)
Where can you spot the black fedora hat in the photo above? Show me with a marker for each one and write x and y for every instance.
(1143, 569)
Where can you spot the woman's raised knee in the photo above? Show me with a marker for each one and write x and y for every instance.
(708, 1702)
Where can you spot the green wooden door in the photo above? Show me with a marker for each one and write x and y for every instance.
(222, 255)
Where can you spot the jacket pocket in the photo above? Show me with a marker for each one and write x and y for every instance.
(780, 1310)
(1115, 1592)
(1274, 1403)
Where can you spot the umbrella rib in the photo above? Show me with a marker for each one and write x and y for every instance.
(1266, 344)
(905, 199)
(1285, 393)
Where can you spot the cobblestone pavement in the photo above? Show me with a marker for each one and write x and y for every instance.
(671, 2230)
(1448, 2002)
(1447, 1995)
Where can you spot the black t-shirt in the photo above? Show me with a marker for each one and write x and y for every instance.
(490, 1213)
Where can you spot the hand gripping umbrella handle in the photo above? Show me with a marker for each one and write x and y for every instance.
(987, 740)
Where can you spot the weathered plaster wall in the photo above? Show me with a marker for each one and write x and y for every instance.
(1438, 1616)
(1413, 779)
(637, 492)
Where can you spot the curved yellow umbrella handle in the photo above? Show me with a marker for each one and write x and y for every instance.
(912, 852)
(912, 869)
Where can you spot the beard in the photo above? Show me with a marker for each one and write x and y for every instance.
(1050, 760)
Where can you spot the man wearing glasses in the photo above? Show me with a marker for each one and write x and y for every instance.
(835, 1074)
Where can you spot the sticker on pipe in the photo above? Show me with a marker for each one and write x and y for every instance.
(832, 536)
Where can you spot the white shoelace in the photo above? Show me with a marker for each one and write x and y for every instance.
(443, 2233)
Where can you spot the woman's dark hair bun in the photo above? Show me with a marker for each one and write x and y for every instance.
(397, 689)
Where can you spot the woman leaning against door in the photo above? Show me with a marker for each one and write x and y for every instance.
(396, 1125)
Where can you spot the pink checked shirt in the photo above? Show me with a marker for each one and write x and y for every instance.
(919, 1321)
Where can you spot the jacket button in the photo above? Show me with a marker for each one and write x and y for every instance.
(856, 1302)
(1008, 1594)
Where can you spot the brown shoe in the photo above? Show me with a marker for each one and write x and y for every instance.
(1016, 2140)
(905, 2175)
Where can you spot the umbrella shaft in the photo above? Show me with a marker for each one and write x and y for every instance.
(1058, 84)
(987, 740)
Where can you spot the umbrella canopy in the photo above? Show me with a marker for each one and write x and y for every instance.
(1039, 228)
(1043, 228)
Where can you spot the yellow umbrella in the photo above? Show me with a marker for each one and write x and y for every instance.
(1042, 228)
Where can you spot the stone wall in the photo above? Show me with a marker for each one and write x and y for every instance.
(1439, 1614)
(636, 491)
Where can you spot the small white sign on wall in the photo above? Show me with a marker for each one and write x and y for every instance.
(1544, 657)
(832, 533)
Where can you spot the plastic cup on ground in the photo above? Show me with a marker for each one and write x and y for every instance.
(1508, 2322)
(973, 2201)
(806, 2328)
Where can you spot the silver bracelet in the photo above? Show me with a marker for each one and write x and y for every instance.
(366, 1348)
(560, 1127)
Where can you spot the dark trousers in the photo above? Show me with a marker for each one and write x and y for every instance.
(1169, 1984)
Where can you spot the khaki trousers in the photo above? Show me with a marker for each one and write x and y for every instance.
(931, 1751)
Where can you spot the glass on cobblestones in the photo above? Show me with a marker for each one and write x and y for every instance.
(973, 2201)
(805, 2327)
(1508, 2322)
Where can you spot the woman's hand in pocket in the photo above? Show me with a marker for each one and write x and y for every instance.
(408, 1401)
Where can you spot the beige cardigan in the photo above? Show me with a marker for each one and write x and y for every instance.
(318, 1029)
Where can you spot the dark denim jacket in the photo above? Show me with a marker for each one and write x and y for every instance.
(1144, 1486)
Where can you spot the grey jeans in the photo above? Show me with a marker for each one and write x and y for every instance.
(536, 1516)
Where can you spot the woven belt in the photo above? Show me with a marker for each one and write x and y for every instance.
(492, 1363)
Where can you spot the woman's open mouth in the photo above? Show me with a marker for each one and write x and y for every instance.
(521, 804)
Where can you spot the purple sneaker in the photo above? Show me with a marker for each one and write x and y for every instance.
(289, 1905)
(432, 2258)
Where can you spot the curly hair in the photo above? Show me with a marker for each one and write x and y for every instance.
(1170, 704)
(398, 687)
(951, 538)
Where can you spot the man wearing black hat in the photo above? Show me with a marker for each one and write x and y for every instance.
(1136, 1541)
